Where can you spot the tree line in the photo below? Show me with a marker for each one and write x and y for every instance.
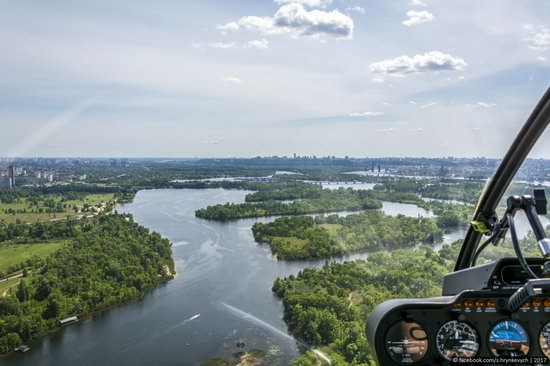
(329, 201)
(110, 259)
(304, 237)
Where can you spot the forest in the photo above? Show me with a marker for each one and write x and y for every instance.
(109, 260)
(327, 307)
(304, 237)
(329, 201)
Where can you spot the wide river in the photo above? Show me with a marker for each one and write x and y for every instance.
(220, 296)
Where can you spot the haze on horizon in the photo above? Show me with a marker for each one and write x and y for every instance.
(273, 77)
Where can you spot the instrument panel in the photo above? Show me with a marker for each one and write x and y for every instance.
(472, 325)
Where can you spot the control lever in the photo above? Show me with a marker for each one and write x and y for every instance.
(531, 289)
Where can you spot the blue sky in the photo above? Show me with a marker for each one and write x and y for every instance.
(247, 78)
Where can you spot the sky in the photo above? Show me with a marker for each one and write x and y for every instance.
(245, 78)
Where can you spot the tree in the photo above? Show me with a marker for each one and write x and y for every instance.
(22, 291)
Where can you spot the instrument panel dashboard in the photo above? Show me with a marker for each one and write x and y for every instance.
(462, 329)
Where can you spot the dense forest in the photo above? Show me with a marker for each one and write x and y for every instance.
(328, 307)
(304, 237)
(289, 191)
(329, 201)
(110, 259)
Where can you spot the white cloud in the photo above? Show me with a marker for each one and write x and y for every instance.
(385, 130)
(541, 59)
(228, 28)
(366, 114)
(356, 9)
(294, 19)
(387, 104)
(231, 80)
(418, 3)
(418, 17)
(480, 105)
(419, 129)
(412, 102)
(486, 105)
(377, 79)
(310, 3)
(429, 61)
(428, 105)
(261, 44)
(539, 37)
(222, 45)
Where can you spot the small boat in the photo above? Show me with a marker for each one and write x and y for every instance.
(68, 320)
(23, 348)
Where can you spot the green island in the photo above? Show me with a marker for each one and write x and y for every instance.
(267, 202)
(329, 201)
(305, 237)
(77, 267)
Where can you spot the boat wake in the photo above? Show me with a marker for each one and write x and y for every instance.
(188, 320)
(262, 324)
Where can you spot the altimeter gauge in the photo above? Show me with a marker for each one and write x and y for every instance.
(457, 339)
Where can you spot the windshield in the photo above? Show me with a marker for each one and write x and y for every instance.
(532, 175)
(242, 183)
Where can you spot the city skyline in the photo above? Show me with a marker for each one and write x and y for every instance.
(311, 77)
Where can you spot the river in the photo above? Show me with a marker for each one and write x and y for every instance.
(220, 296)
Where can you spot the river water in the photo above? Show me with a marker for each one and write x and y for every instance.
(220, 296)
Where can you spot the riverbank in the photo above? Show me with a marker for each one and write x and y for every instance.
(99, 268)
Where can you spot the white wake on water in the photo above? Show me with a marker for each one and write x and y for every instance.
(262, 324)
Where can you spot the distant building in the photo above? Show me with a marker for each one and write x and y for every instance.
(11, 177)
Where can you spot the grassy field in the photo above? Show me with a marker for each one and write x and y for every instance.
(5, 285)
(290, 241)
(31, 214)
(11, 254)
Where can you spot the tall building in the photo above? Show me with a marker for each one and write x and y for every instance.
(11, 177)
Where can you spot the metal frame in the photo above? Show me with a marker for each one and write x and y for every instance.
(522, 145)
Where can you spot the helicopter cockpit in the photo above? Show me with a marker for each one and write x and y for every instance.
(495, 313)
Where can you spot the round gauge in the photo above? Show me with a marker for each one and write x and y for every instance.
(544, 340)
(456, 339)
(508, 339)
(406, 342)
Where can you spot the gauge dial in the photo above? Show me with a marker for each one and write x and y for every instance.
(544, 340)
(406, 342)
(508, 339)
(456, 339)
